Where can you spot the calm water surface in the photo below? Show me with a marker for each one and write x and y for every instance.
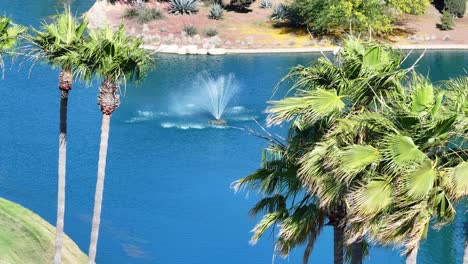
(167, 197)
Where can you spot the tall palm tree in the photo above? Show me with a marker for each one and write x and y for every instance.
(115, 59)
(56, 43)
(9, 33)
(327, 93)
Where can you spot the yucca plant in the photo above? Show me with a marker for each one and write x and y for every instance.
(266, 4)
(279, 12)
(181, 7)
(216, 11)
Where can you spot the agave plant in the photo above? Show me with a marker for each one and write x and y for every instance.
(266, 4)
(279, 12)
(180, 7)
(216, 11)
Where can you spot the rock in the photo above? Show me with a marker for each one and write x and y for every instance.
(228, 43)
(446, 38)
(168, 48)
(202, 51)
(182, 50)
(433, 37)
(218, 51)
(196, 38)
(191, 49)
(427, 38)
(145, 28)
(177, 40)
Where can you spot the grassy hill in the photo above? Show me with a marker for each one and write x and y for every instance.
(26, 238)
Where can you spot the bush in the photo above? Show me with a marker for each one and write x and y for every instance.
(266, 4)
(241, 4)
(415, 7)
(456, 7)
(334, 17)
(279, 12)
(211, 32)
(180, 7)
(190, 30)
(216, 11)
(143, 15)
(446, 21)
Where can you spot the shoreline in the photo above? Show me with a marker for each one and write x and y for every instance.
(194, 50)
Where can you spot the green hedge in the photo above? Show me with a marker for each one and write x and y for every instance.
(456, 7)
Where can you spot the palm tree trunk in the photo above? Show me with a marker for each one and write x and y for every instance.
(108, 101)
(357, 252)
(412, 255)
(338, 238)
(309, 247)
(65, 85)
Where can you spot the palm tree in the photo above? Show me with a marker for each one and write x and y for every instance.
(56, 43)
(418, 169)
(300, 222)
(327, 93)
(115, 59)
(9, 33)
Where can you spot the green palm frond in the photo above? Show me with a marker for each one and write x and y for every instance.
(265, 223)
(372, 198)
(422, 98)
(458, 95)
(269, 205)
(459, 177)
(419, 182)
(355, 158)
(309, 105)
(401, 154)
(9, 33)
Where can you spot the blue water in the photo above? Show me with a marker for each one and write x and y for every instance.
(167, 197)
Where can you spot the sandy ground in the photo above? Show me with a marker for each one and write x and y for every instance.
(255, 30)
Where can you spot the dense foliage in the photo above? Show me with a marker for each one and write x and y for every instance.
(143, 15)
(241, 4)
(380, 150)
(456, 7)
(338, 16)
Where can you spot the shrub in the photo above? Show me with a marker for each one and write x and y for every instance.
(190, 30)
(241, 4)
(334, 17)
(143, 15)
(266, 4)
(180, 7)
(211, 32)
(415, 7)
(147, 15)
(446, 21)
(279, 12)
(216, 11)
(456, 7)
(131, 13)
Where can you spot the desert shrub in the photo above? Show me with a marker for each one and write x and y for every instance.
(211, 32)
(279, 12)
(216, 11)
(143, 15)
(180, 7)
(241, 4)
(266, 4)
(456, 7)
(190, 30)
(446, 21)
(131, 13)
(338, 16)
(415, 7)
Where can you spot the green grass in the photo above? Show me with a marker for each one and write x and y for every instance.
(28, 239)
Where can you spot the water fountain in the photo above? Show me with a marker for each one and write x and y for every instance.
(219, 91)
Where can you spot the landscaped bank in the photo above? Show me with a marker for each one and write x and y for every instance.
(28, 239)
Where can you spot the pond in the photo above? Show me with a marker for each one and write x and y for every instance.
(167, 195)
